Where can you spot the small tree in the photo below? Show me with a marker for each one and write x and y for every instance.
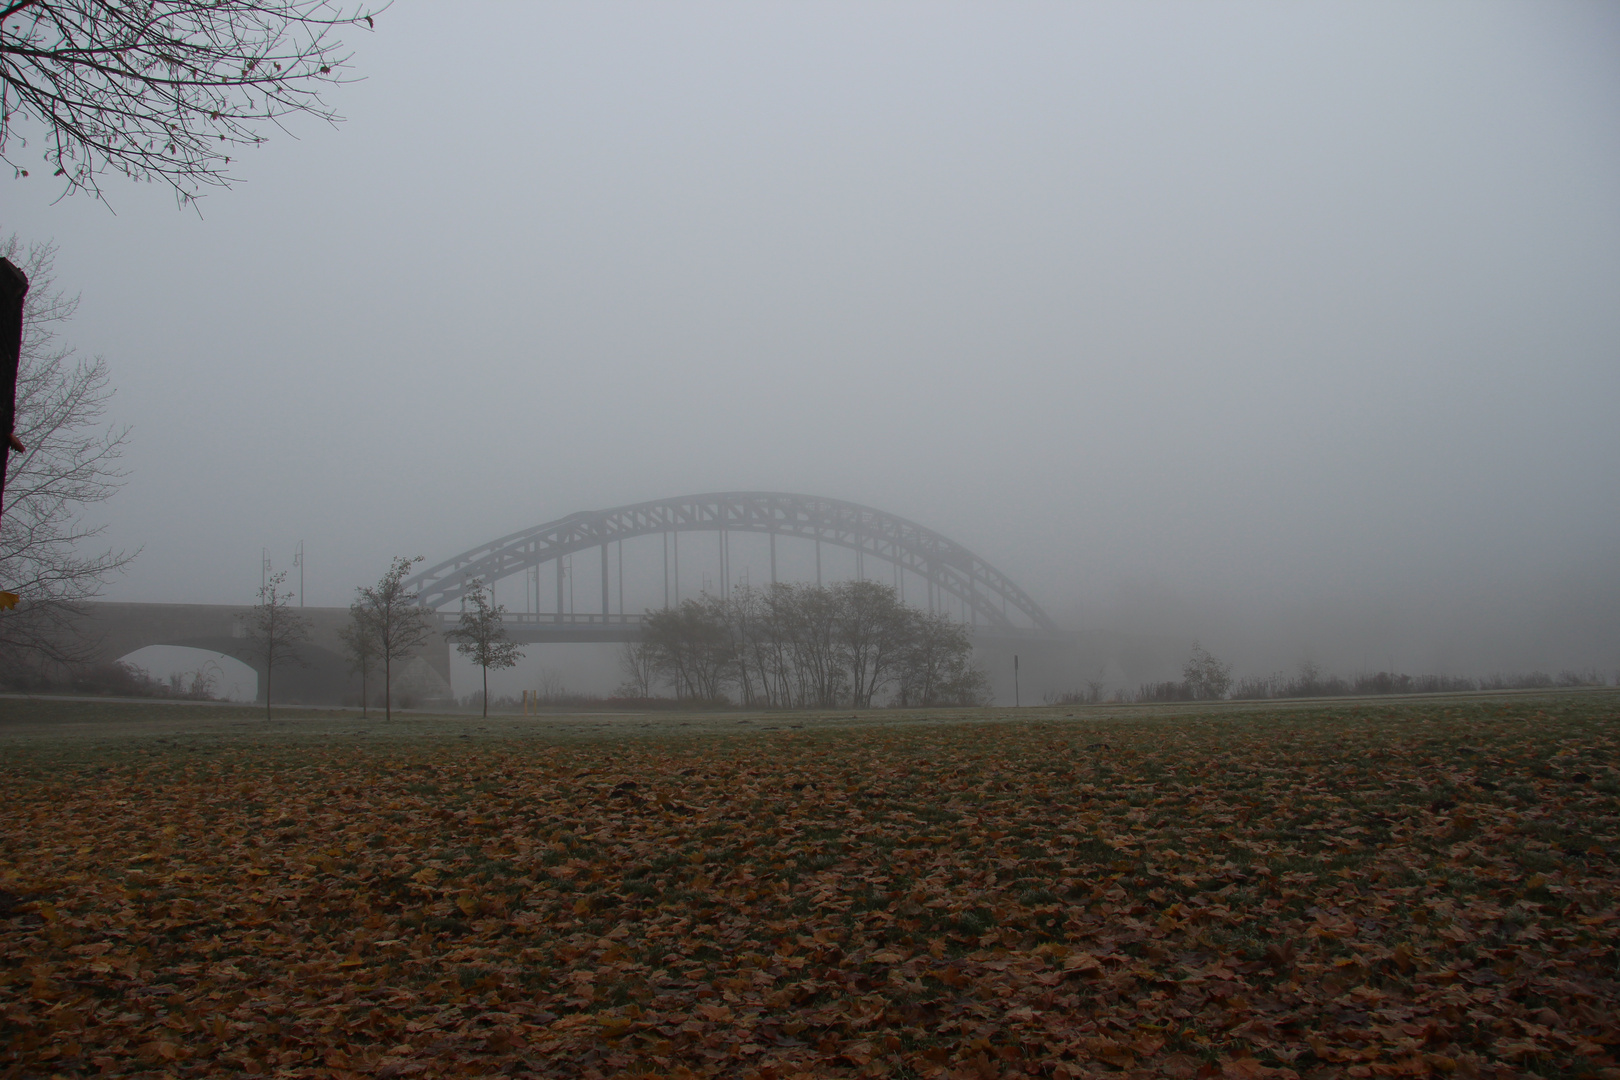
(482, 636)
(360, 646)
(398, 624)
(277, 629)
(1207, 678)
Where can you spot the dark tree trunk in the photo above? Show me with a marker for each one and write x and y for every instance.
(13, 287)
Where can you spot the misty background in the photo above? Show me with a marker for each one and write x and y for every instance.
(1291, 328)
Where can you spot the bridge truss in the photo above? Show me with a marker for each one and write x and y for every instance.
(987, 597)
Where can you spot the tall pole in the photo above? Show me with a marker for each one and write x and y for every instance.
(1016, 701)
(621, 579)
(666, 569)
(298, 561)
(773, 558)
(604, 583)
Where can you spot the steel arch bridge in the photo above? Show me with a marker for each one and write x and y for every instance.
(988, 598)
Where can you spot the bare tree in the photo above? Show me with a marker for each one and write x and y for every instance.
(936, 664)
(694, 648)
(162, 91)
(809, 646)
(70, 464)
(277, 631)
(397, 623)
(639, 666)
(872, 631)
(809, 615)
(482, 636)
(361, 649)
(1207, 679)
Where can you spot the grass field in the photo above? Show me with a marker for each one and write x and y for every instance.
(1392, 887)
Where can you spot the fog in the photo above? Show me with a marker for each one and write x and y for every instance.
(1291, 328)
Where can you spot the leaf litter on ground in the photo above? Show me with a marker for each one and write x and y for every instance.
(1392, 889)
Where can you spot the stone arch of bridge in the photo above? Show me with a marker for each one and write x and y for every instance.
(112, 630)
(988, 594)
(230, 671)
(318, 674)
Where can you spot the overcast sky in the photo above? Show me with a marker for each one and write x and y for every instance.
(1294, 327)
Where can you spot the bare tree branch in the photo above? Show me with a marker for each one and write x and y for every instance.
(162, 89)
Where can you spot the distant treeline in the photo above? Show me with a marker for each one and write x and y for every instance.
(847, 645)
(1311, 682)
(1206, 679)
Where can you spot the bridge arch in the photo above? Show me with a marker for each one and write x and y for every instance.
(234, 679)
(114, 630)
(988, 595)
